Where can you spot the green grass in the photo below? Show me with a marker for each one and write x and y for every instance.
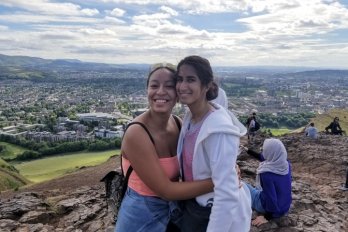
(9, 181)
(323, 120)
(11, 151)
(3, 163)
(52, 167)
(280, 131)
(320, 121)
(9, 178)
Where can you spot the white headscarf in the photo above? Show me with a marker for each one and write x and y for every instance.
(223, 101)
(221, 98)
(275, 156)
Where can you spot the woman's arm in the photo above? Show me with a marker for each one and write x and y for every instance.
(253, 153)
(142, 155)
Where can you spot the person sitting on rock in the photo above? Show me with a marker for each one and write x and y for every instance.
(272, 195)
(311, 131)
(334, 127)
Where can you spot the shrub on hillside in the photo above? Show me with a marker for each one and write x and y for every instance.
(28, 155)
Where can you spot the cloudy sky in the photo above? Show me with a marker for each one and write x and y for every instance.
(232, 32)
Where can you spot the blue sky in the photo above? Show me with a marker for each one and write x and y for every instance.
(310, 33)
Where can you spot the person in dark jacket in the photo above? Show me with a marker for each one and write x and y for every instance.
(272, 195)
(334, 127)
(344, 187)
(250, 125)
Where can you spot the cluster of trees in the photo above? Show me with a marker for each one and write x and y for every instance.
(288, 120)
(42, 149)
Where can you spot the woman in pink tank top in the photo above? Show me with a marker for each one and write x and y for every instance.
(149, 146)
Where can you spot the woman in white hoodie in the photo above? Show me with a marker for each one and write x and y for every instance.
(208, 147)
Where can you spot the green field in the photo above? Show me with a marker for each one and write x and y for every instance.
(11, 151)
(3, 163)
(280, 131)
(52, 167)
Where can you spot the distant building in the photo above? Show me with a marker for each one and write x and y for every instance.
(137, 112)
(103, 133)
(90, 117)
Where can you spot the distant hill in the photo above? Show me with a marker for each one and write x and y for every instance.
(9, 177)
(24, 61)
(317, 74)
(22, 72)
(34, 67)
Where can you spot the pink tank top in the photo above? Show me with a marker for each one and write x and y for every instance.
(170, 166)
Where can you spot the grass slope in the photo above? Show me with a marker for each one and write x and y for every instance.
(280, 131)
(320, 121)
(9, 177)
(323, 120)
(11, 151)
(52, 167)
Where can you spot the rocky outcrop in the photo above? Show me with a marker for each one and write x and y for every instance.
(81, 210)
(318, 205)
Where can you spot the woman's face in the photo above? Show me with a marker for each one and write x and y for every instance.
(161, 91)
(189, 86)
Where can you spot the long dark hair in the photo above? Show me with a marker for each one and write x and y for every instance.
(204, 72)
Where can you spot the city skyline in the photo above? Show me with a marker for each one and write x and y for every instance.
(312, 33)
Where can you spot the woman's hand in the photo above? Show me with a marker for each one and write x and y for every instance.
(259, 220)
(244, 148)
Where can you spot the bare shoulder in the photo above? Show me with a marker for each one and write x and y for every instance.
(135, 132)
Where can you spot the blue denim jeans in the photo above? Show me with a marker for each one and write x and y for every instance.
(143, 213)
(255, 199)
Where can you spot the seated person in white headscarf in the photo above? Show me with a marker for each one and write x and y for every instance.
(272, 195)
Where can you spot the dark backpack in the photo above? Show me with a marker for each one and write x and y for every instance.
(257, 126)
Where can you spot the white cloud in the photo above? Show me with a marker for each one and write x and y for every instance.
(89, 12)
(113, 20)
(194, 6)
(117, 12)
(34, 18)
(50, 8)
(3, 28)
(302, 18)
(169, 10)
(152, 20)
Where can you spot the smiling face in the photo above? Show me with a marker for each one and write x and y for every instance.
(161, 92)
(189, 87)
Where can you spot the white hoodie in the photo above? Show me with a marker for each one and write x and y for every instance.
(215, 156)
